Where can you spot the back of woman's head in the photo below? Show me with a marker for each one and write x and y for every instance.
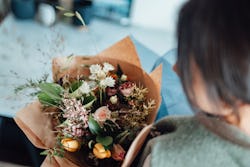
(214, 35)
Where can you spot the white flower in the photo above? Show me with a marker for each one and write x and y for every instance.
(107, 67)
(93, 77)
(84, 88)
(95, 68)
(109, 81)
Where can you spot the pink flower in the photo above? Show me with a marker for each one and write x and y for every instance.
(102, 114)
(127, 88)
(117, 152)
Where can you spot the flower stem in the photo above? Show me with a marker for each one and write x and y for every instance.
(100, 94)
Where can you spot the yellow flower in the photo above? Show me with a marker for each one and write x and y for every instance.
(70, 145)
(100, 152)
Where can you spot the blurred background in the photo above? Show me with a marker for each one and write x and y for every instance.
(34, 31)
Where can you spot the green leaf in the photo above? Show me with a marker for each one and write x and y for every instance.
(94, 127)
(69, 14)
(88, 101)
(45, 152)
(106, 141)
(50, 93)
(47, 100)
(52, 89)
(74, 86)
(78, 15)
(120, 138)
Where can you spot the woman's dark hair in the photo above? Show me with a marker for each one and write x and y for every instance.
(215, 36)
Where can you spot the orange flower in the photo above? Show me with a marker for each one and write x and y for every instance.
(118, 152)
(114, 76)
(100, 152)
(70, 145)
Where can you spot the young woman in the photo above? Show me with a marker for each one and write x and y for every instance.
(214, 66)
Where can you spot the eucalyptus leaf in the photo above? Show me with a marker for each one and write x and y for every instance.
(106, 141)
(94, 127)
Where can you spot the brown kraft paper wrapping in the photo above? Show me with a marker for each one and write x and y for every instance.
(38, 126)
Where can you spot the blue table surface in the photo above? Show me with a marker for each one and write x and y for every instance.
(31, 59)
(174, 101)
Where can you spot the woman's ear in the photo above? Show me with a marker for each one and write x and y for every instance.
(175, 68)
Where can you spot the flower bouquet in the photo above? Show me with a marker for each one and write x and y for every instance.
(97, 112)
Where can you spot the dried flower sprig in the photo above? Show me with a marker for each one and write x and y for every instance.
(31, 84)
(69, 13)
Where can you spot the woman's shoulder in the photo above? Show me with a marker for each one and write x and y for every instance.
(184, 140)
(176, 124)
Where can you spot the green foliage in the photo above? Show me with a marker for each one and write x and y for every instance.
(74, 86)
(45, 152)
(105, 141)
(88, 101)
(31, 84)
(50, 94)
(59, 152)
(94, 127)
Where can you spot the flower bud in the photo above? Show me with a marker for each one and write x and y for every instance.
(113, 99)
(101, 75)
(124, 77)
(70, 145)
(100, 152)
(118, 152)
